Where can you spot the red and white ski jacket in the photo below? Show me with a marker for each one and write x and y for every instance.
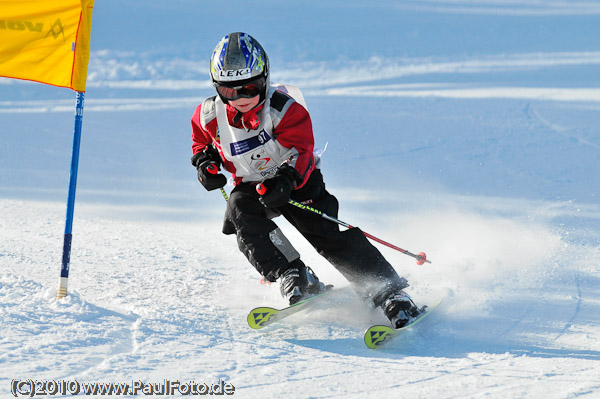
(257, 143)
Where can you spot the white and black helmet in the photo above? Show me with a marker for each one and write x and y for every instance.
(239, 67)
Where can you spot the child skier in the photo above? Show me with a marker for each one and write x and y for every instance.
(262, 135)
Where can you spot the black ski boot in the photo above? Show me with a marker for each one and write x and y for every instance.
(400, 309)
(298, 281)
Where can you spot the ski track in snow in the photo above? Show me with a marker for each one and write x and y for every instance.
(154, 305)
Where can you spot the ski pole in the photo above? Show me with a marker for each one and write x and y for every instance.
(420, 257)
(224, 194)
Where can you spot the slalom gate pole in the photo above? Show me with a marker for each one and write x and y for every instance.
(420, 257)
(66, 255)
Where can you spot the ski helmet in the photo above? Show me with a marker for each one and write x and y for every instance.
(239, 67)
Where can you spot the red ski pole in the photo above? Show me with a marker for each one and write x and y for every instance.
(420, 257)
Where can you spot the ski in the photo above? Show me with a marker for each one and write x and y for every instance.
(262, 316)
(378, 335)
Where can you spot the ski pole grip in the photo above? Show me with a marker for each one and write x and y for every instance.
(212, 169)
(261, 189)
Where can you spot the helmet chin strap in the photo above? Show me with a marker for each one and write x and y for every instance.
(238, 117)
(247, 118)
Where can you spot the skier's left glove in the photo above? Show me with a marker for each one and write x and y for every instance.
(208, 163)
(280, 187)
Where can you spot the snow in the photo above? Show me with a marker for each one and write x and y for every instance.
(467, 130)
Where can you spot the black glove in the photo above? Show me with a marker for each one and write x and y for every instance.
(208, 163)
(280, 187)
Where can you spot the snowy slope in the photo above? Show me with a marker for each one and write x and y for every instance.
(464, 129)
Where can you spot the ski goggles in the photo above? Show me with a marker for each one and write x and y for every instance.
(249, 90)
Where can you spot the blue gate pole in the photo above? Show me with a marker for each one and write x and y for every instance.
(66, 256)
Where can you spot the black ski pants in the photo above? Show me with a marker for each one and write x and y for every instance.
(269, 251)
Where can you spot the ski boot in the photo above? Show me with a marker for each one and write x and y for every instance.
(400, 309)
(298, 282)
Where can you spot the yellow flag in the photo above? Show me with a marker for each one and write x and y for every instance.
(46, 41)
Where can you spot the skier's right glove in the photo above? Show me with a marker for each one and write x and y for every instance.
(208, 163)
(278, 189)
